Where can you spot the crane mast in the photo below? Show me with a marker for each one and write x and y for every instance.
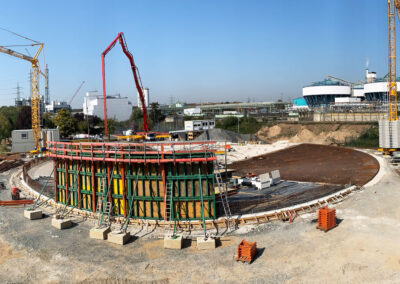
(35, 99)
(392, 85)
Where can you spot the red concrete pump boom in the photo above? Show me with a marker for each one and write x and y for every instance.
(138, 82)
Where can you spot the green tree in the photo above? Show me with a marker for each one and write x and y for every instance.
(65, 122)
(24, 118)
(137, 114)
(247, 125)
(5, 127)
(10, 112)
(47, 120)
(111, 125)
(8, 117)
(155, 113)
(136, 119)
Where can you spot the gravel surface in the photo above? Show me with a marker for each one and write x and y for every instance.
(364, 248)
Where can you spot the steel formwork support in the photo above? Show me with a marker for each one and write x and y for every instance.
(164, 193)
(66, 182)
(78, 184)
(123, 188)
(108, 183)
(93, 187)
(55, 181)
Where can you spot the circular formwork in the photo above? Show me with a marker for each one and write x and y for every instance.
(328, 163)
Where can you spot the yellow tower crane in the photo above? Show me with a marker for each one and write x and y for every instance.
(393, 5)
(389, 129)
(35, 99)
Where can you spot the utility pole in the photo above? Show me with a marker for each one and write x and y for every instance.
(18, 92)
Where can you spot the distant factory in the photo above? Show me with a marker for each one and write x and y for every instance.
(118, 108)
(337, 91)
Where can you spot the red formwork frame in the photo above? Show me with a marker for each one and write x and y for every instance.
(76, 149)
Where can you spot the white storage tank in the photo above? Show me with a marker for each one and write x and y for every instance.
(324, 93)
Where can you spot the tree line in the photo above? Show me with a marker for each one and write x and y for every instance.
(15, 118)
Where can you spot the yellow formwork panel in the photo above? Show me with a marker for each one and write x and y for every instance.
(146, 186)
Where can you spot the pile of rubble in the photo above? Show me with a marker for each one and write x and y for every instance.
(7, 162)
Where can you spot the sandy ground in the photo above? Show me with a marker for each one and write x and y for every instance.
(242, 152)
(364, 247)
(43, 170)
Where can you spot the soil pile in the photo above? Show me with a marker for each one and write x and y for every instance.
(329, 133)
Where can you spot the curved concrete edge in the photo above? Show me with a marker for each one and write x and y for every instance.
(16, 180)
(325, 199)
(383, 167)
(256, 218)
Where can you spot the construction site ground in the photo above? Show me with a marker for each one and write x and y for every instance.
(284, 194)
(313, 163)
(362, 248)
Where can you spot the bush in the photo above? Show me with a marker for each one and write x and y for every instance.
(368, 139)
(247, 125)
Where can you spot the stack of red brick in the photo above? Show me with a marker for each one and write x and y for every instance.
(326, 219)
(246, 251)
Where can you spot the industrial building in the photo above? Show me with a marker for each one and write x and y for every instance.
(192, 111)
(331, 90)
(22, 140)
(118, 108)
(146, 97)
(199, 125)
(55, 106)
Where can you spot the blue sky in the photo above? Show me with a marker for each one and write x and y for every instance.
(206, 50)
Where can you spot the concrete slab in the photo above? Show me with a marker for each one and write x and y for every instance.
(173, 242)
(33, 214)
(205, 244)
(99, 233)
(61, 223)
(118, 237)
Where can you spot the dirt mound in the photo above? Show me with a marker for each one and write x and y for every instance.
(322, 133)
(314, 163)
(222, 135)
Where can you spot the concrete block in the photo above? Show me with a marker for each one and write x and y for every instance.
(33, 214)
(99, 233)
(118, 237)
(61, 223)
(205, 244)
(173, 242)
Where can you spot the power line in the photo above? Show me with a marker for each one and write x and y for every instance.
(14, 45)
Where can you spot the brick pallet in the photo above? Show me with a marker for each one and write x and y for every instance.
(326, 219)
(246, 251)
